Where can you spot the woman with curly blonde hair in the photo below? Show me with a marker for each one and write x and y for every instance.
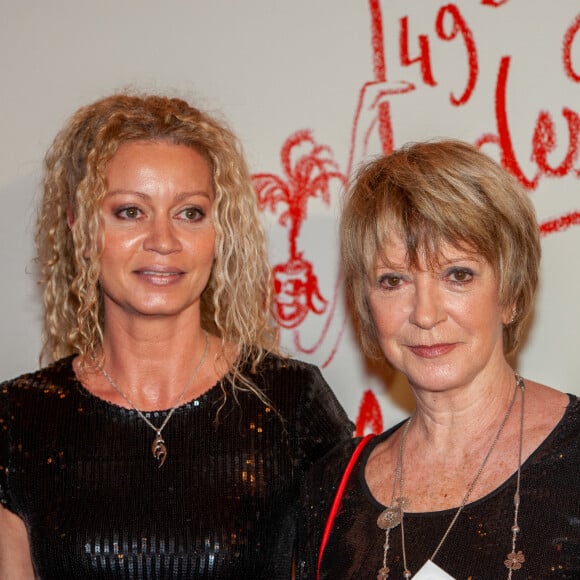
(167, 435)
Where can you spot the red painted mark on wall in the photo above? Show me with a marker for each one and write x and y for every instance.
(459, 27)
(370, 418)
(308, 171)
(493, 3)
(544, 139)
(449, 25)
(569, 38)
(560, 224)
(380, 72)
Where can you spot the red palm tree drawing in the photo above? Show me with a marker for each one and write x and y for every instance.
(308, 171)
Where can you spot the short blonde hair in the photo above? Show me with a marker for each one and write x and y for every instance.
(434, 193)
(236, 301)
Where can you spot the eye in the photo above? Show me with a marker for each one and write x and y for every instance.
(128, 212)
(390, 281)
(460, 275)
(192, 214)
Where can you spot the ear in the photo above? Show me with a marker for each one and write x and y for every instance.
(509, 314)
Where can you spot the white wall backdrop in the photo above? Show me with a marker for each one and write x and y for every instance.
(292, 76)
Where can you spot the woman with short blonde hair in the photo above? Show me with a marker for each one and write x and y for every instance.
(441, 250)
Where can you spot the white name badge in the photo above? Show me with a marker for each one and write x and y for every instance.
(430, 571)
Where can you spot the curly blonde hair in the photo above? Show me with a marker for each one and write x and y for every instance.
(235, 305)
(433, 193)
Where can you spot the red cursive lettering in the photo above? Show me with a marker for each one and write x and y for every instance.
(567, 50)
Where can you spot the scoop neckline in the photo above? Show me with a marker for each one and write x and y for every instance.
(383, 436)
(99, 401)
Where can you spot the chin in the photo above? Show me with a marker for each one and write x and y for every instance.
(159, 310)
(436, 379)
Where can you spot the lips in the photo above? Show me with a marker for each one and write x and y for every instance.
(433, 350)
(159, 276)
(157, 273)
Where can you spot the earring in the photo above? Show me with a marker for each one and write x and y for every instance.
(514, 314)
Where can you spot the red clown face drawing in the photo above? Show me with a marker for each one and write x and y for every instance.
(297, 292)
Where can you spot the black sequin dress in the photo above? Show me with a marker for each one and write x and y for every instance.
(481, 538)
(79, 471)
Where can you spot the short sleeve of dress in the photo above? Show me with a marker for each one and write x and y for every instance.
(321, 422)
(315, 423)
(4, 446)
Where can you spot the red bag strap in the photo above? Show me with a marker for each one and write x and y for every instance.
(338, 498)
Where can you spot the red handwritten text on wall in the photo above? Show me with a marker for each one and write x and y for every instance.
(311, 172)
(569, 38)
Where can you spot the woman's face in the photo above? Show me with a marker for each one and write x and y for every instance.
(158, 235)
(441, 327)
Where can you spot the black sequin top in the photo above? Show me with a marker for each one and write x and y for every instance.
(79, 471)
(481, 538)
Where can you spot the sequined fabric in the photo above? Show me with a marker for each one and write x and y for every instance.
(481, 538)
(79, 471)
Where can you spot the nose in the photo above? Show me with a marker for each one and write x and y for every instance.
(428, 308)
(161, 236)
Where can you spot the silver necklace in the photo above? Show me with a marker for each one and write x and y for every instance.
(158, 447)
(393, 515)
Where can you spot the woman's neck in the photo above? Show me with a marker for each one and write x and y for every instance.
(154, 362)
(444, 420)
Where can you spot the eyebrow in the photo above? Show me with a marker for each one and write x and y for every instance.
(145, 196)
(443, 262)
(464, 258)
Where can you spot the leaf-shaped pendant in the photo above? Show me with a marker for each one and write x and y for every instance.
(159, 449)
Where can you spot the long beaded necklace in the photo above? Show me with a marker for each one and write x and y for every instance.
(158, 447)
(393, 515)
